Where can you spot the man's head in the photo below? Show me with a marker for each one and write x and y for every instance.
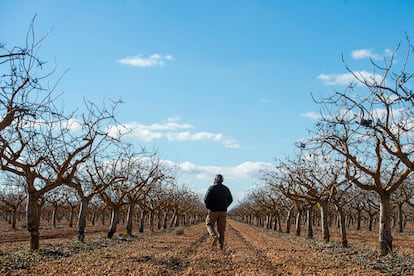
(218, 179)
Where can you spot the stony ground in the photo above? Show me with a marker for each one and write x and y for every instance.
(187, 251)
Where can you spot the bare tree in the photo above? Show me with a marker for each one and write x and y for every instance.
(70, 204)
(12, 196)
(146, 174)
(306, 180)
(115, 178)
(37, 141)
(22, 96)
(401, 198)
(97, 174)
(342, 193)
(48, 155)
(55, 199)
(370, 126)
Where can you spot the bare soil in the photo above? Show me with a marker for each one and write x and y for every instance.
(249, 250)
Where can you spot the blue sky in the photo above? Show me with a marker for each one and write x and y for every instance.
(216, 86)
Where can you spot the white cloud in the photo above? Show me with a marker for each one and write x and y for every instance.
(367, 53)
(231, 143)
(264, 100)
(150, 61)
(170, 124)
(169, 129)
(335, 79)
(347, 78)
(134, 130)
(198, 136)
(246, 170)
(312, 115)
(72, 125)
(363, 53)
(388, 52)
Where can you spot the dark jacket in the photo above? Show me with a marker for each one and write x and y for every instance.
(218, 198)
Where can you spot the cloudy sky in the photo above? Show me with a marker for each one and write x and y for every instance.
(216, 86)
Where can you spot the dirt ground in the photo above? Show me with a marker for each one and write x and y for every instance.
(249, 250)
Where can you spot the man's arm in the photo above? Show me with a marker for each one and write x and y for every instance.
(229, 198)
(207, 198)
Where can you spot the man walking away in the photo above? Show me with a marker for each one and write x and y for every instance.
(217, 199)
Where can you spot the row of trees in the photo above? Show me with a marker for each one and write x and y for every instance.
(160, 206)
(45, 151)
(306, 193)
(362, 146)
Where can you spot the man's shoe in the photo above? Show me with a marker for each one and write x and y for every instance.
(214, 243)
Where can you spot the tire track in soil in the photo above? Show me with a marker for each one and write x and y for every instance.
(259, 253)
(240, 257)
(153, 254)
(294, 257)
(170, 256)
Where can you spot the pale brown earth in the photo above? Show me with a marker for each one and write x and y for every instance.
(249, 250)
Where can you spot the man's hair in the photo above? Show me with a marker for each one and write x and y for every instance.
(218, 179)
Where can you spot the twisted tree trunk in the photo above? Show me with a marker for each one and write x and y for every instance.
(130, 216)
(309, 220)
(82, 218)
(324, 218)
(385, 237)
(298, 218)
(33, 219)
(342, 226)
(288, 218)
(114, 221)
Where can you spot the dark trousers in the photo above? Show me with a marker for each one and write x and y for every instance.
(220, 219)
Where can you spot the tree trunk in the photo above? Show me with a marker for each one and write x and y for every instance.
(359, 218)
(71, 215)
(350, 221)
(298, 218)
(93, 218)
(342, 227)
(33, 219)
(103, 217)
(309, 221)
(82, 218)
(279, 223)
(142, 222)
(371, 222)
(114, 221)
(151, 220)
(266, 224)
(54, 215)
(385, 237)
(159, 220)
(324, 220)
(173, 219)
(129, 219)
(288, 218)
(400, 218)
(164, 225)
(14, 218)
(177, 220)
